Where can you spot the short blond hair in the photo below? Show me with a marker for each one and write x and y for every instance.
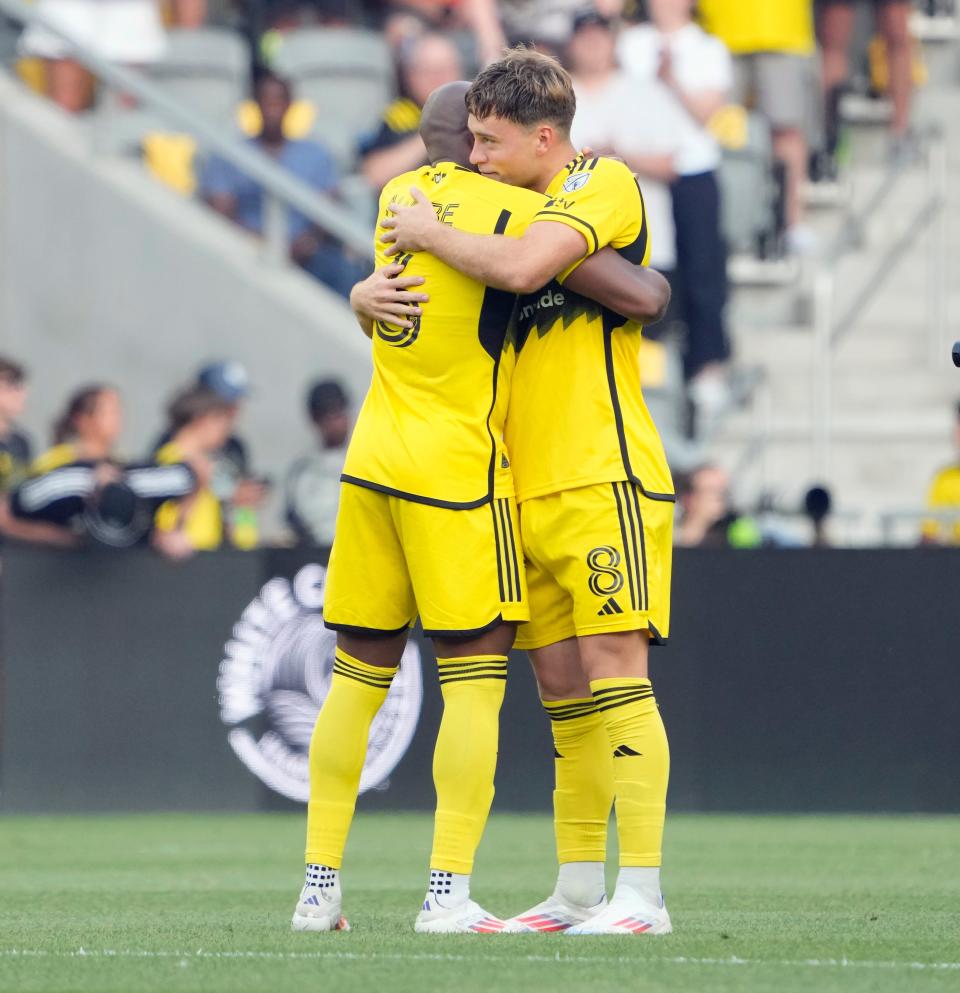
(526, 87)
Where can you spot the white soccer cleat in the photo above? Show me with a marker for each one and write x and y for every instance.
(319, 910)
(466, 918)
(627, 913)
(553, 914)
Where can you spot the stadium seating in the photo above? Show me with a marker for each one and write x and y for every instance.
(206, 69)
(346, 74)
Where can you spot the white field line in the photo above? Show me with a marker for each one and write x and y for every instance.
(202, 954)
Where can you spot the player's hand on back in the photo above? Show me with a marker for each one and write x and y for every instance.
(409, 228)
(387, 295)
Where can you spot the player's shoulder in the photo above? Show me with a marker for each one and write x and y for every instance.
(53, 458)
(599, 173)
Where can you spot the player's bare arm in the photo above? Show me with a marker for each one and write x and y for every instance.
(637, 293)
(519, 265)
(387, 295)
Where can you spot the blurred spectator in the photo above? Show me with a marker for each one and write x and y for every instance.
(835, 23)
(86, 431)
(423, 64)
(479, 20)
(126, 31)
(15, 454)
(240, 493)
(313, 482)
(548, 23)
(707, 519)
(629, 118)
(239, 197)
(773, 44)
(696, 70)
(14, 444)
(200, 422)
(944, 496)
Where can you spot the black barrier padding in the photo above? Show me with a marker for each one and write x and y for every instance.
(110, 665)
(793, 681)
(814, 680)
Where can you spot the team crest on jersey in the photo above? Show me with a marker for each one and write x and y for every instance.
(275, 675)
(576, 182)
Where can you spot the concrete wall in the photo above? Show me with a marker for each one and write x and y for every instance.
(106, 275)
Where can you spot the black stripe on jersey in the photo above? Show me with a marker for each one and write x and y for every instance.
(496, 316)
(415, 497)
(633, 522)
(643, 545)
(511, 545)
(499, 543)
(624, 535)
(637, 249)
(573, 217)
(362, 632)
(465, 632)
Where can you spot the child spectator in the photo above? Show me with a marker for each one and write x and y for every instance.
(200, 421)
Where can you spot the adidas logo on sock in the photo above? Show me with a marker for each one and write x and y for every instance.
(610, 607)
(625, 751)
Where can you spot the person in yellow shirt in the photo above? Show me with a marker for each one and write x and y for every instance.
(944, 497)
(595, 493)
(773, 43)
(200, 424)
(427, 525)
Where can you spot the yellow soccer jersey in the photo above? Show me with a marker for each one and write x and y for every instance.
(431, 426)
(944, 495)
(577, 415)
(760, 25)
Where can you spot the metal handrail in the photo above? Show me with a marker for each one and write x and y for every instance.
(278, 184)
(828, 330)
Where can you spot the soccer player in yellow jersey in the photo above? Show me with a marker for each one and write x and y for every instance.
(594, 489)
(428, 526)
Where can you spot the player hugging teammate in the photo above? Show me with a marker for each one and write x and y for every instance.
(506, 483)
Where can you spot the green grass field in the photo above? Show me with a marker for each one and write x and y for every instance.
(202, 903)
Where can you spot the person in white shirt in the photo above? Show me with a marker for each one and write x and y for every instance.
(696, 71)
(634, 120)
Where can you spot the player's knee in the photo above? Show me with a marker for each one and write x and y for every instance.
(499, 641)
(374, 651)
(619, 654)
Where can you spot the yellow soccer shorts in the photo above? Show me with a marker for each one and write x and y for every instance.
(394, 559)
(598, 560)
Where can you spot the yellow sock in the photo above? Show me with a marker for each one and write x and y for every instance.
(465, 758)
(583, 765)
(641, 765)
(337, 752)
